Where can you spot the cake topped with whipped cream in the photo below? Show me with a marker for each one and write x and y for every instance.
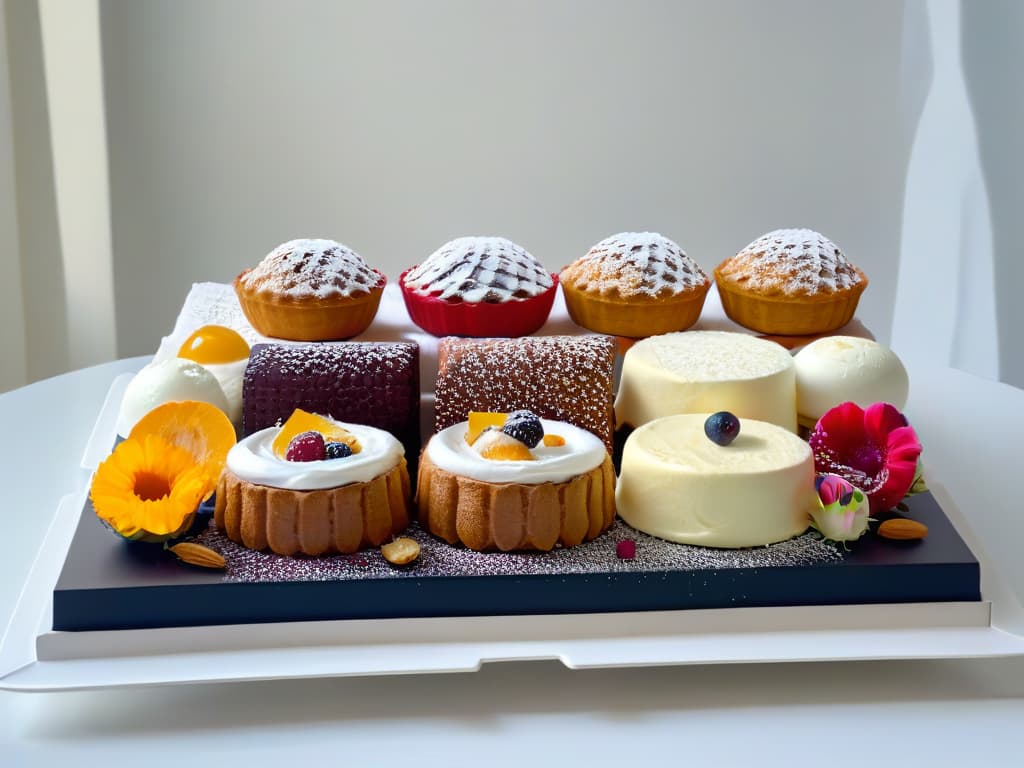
(479, 269)
(791, 262)
(307, 268)
(635, 264)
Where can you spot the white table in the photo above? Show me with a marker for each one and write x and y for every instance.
(911, 713)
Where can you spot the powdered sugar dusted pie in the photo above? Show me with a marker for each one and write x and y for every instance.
(479, 286)
(562, 378)
(310, 290)
(635, 284)
(790, 282)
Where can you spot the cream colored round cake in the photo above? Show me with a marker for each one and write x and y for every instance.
(704, 372)
(837, 369)
(677, 484)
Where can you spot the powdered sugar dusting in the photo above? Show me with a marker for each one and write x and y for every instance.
(312, 269)
(562, 378)
(793, 262)
(479, 269)
(635, 264)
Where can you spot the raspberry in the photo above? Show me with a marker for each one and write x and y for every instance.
(626, 549)
(306, 446)
(338, 450)
(525, 427)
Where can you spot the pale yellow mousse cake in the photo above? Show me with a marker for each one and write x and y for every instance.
(678, 485)
(704, 372)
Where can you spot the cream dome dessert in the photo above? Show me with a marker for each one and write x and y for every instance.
(838, 369)
(704, 372)
(314, 485)
(167, 381)
(224, 353)
(678, 484)
(515, 482)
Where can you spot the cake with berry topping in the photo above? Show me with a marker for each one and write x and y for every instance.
(562, 378)
(479, 286)
(716, 481)
(635, 284)
(371, 383)
(515, 482)
(310, 290)
(313, 486)
(790, 282)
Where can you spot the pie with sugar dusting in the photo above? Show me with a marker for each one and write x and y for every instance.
(635, 284)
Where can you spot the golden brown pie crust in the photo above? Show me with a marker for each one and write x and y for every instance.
(515, 516)
(343, 519)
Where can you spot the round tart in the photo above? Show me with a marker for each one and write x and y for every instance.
(310, 290)
(679, 485)
(264, 501)
(634, 284)
(564, 494)
(790, 282)
(479, 286)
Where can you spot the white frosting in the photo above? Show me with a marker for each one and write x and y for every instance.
(581, 453)
(678, 485)
(167, 381)
(635, 264)
(253, 459)
(837, 369)
(306, 268)
(704, 372)
(476, 269)
(229, 376)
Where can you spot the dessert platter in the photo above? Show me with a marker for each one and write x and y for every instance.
(627, 462)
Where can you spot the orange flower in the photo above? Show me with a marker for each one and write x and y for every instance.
(149, 489)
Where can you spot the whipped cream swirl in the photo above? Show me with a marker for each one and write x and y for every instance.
(253, 459)
(581, 453)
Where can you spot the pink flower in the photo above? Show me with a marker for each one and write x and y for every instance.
(875, 450)
(842, 513)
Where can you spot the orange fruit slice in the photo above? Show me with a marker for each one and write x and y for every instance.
(554, 441)
(511, 451)
(303, 421)
(481, 420)
(200, 428)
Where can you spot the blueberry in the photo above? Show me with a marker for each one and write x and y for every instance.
(338, 450)
(722, 427)
(525, 427)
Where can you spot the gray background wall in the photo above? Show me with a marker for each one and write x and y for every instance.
(394, 127)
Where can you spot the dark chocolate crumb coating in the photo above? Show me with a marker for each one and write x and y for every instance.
(371, 383)
(565, 378)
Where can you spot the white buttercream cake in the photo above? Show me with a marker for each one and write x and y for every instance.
(704, 372)
(675, 483)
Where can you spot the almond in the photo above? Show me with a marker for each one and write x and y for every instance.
(401, 551)
(902, 529)
(197, 554)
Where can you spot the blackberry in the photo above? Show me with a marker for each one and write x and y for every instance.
(525, 427)
(338, 450)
